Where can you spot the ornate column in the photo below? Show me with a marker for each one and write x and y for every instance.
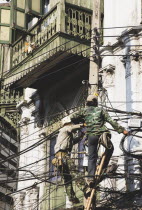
(19, 201)
(31, 199)
(27, 201)
(108, 83)
(34, 198)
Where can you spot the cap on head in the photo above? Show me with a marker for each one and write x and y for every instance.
(91, 98)
(66, 120)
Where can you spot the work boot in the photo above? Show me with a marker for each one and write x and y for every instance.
(90, 182)
(87, 191)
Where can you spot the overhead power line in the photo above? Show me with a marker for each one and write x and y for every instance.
(44, 139)
(47, 53)
(135, 27)
(65, 59)
(138, 27)
(48, 66)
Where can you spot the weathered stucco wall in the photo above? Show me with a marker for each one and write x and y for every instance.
(120, 13)
(121, 70)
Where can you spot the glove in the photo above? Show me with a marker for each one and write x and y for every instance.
(125, 132)
(81, 125)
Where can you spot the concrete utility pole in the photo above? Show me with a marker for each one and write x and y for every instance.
(94, 66)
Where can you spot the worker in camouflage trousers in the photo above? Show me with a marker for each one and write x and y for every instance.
(95, 118)
(62, 149)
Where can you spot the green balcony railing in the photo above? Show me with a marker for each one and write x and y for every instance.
(70, 19)
(78, 22)
(40, 33)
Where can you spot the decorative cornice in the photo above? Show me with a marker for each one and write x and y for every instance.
(107, 73)
(135, 55)
(108, 69)
(125, 37)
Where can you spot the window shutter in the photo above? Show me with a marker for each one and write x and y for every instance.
(19, 15)
(35, 7)
(5, 21)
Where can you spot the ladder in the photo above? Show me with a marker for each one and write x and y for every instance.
(89, 200)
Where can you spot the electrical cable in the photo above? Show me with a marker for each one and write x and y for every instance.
(56, 49)
(114, 27)
(66, 43)
(51, 72)
(118, 36)
(55, 115)
(44, 159)
(52, 64)
(67, 50)
(44, 198)
(42, 176)
(131, 153)
(30, 147)
(121, 111)
(67, 58)
(42, 54)
(122, 195)
(121, 45)
(84, 40)
(27, 149)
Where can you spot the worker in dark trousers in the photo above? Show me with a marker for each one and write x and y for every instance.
(62, 149)
(95, 118)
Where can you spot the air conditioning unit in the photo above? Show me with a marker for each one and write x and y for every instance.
(135, 123)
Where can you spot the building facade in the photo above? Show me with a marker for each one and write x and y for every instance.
(9, 116)
(8, 174)
(50, 56)
(121, 73)
(45, 47)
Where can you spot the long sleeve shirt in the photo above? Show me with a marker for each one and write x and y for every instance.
(95, 119)
(64, 140)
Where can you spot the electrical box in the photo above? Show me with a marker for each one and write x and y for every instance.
(135, 123)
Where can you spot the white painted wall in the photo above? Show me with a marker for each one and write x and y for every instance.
(120, 13)
(29, 136)
(125, 93)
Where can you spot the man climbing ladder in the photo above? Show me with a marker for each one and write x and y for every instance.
(95, 117)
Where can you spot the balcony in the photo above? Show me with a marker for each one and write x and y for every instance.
(65, 30)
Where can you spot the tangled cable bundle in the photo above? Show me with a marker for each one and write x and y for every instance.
(128, 151)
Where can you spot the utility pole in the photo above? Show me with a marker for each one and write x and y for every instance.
(94, 64)
(94, 73)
